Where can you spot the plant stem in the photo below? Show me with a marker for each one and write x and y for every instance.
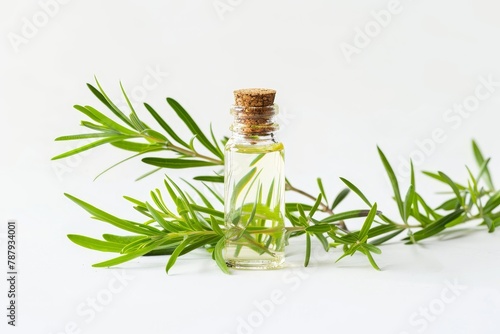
(192, 153)
(322, 206)
(181, 150)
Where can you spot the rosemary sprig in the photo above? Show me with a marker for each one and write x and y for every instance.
(181, 224)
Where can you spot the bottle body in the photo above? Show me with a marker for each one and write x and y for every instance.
(254, 202)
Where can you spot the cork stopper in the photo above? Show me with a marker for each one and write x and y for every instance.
(254, 111)
(254, 97)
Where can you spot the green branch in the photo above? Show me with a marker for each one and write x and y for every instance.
(181, 224)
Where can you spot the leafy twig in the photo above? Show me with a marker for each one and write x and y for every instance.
(191, 224)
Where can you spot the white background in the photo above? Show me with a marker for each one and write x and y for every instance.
(395, 92)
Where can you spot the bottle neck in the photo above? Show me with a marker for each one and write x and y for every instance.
(259, 140)
(258, 123)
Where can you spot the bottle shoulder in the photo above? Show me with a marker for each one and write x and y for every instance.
(249, 146)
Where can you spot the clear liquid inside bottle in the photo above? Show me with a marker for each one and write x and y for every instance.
(254, 203)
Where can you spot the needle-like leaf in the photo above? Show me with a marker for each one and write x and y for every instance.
(219, 258)
(95, 244)
(165, 126)
(319, 181)
(340, 197)
(308, 250)
(356, 190)
(101, 95)
(174, 163)
(195, 129)
(89, 146)
(481, 161)
(394, 181)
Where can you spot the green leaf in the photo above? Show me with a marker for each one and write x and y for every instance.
(242, 183)
(120, 223)
(123, 240)
(292, 206)
(210, 178)
(435, 227)
(459, 220)
(214, 193)
(491, 225)
(162, 250)
(301, 211)
(482, 162)
(215, 226)
(353, 237)
(453, 186)
(316, 205)
(89, 146)
(104, 120)
(322, 189)
(356, 191)
(176, 253)
(427, 208)
(136, 147)
(98, 127)
(308, 250)
(483, 170)
(95, 244)
(193, 127)
(324, 242)
(130, 256)
(370, 257)
(416, 210)
(394, 181)
(101, 95)
(386, 238)
(412, 176)
(160, 220)
(441, 179)
(194, 221)
(219, 258)
(473, 193)
(495, 223)
(408, 203)
(177, 163)
(160, 203)
(154, 137)
(138, 244)
(138, 124)
(134, 119)
(210, 211)
(203, 198)
(199, 242)
(321, 228)
(294, 220)
(257, 159)
(254, 209)
(165, 126)
(345, 215)
(368, 222)
(473, 190)
(492, 203)
(215, 142)
(123, 161)
(449, 205)
(86, 136)
(372, 248)
(148, 173)
(340, 197)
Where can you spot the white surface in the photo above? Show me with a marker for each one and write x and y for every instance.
(395, 93)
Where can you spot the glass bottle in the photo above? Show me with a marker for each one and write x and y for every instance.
(254, 186)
